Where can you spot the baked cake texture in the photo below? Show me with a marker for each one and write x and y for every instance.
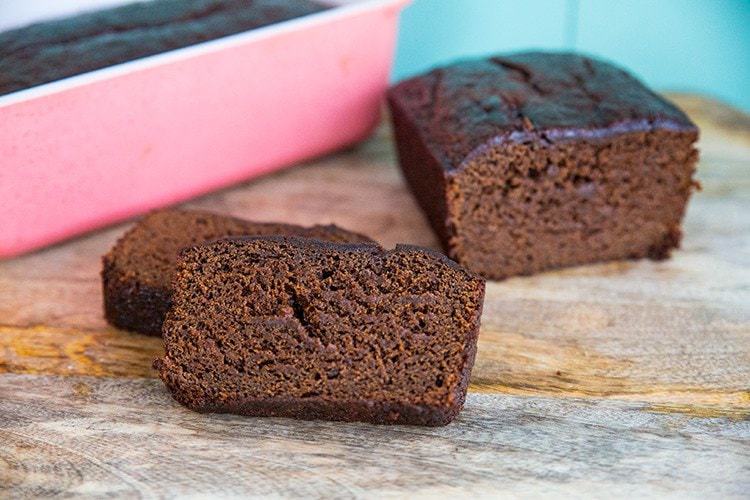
(536, 161)
(138, 271)
(291, 327)
(53, 50)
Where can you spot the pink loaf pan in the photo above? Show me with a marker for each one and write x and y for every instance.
(97, 148)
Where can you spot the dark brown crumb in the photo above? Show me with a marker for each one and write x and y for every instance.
(306, 329)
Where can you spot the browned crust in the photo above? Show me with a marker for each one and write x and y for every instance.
(424, 174)
(316, 408)
(350, 247)
(131, 305)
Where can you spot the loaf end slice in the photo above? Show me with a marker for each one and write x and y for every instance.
(137, 272)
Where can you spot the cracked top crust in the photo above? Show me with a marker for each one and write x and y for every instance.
(469, 105)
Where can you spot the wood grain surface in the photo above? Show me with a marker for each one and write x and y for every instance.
(620, 379)
(125, 437)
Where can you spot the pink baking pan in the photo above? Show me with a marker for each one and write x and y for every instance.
(96, 148)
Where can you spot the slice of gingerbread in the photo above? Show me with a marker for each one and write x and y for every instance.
(300, 328)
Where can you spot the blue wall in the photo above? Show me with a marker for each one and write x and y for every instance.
(685, 45)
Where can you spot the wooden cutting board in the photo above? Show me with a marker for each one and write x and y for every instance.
(620, 379)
